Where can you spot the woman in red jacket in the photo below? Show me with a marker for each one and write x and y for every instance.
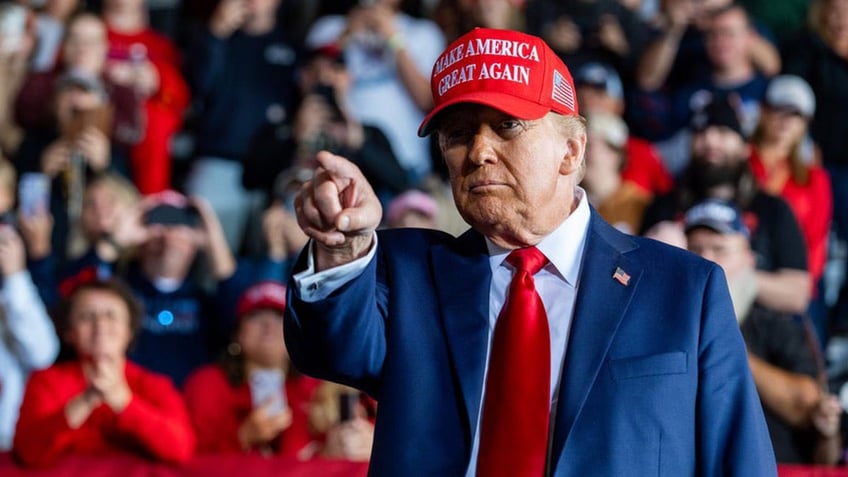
(786, 164)
(261, 404)
(100, 402)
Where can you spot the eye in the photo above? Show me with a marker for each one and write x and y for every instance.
(510, 124)
(511, 127)
(455, 136)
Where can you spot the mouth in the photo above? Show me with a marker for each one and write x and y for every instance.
(485, 186)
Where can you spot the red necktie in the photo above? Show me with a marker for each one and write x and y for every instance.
(516, 410)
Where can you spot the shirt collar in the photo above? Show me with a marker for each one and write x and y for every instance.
(563, 247)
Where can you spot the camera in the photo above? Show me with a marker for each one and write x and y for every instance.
(166, 214)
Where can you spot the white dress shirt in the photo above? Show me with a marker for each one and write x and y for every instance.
(556, 283)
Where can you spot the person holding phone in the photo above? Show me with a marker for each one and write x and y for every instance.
(323, 120)
(389, 55)
(242, 69)
(260, 399)
(345, 418)
(157, 247)
(99, 401)
(151, 66)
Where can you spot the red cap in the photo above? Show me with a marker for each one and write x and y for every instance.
(169, 197)
(267, 294)
(507, 70)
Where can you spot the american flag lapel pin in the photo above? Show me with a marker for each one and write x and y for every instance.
(621, 276)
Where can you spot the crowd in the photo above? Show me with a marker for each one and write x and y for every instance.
(151, 152)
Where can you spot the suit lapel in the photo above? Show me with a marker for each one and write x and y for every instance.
(463, 282)
(599, 308)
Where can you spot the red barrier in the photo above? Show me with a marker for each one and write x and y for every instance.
(201, 466)
(810, 471)
(250, 465)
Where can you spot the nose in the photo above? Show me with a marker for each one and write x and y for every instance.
(480, 150)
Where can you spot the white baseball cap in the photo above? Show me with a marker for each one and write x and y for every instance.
(791, 92)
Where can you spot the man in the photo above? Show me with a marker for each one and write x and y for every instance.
(599, 90)
(242, 70)
(803, 420)
(719, 168)
(388, 55)
(731, 44)
(625, 368)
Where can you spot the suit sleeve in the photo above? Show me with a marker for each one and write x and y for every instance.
(341, 337)
(733, 438)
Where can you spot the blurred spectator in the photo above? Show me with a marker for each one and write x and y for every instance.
(242, 70)
(719, 168)
(730, 43)
(344, 416)
(28, 341)
(590, 30)
(456, 17)
(261, 401)
(84, 55)
(16, 44)
(183, 324)
(70, 152)
(150, 65)
(620, 202)
(101, 402)
(412, 208)
(323, 120)
(50, 25)
(500, 14)
(677, 56)
(803, 419)
(784, 163)
(107, 201)
(282, 237)
(389, 55)
(599, 90)
(819, 56)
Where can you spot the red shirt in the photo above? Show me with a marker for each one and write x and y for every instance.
(217, 410)
(150, 159)
(155, 423)
(645, 169)
(812, 204)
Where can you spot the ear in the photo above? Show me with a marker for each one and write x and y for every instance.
(575, 152)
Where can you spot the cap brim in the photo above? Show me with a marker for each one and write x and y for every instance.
(713, 225)
(509, 104)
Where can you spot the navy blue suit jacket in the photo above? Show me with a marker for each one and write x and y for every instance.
(655, 380)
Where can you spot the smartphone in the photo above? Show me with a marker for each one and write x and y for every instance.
(328, 94)
(347, 406)
(33, 193)
(165, 214)
(12, 27)
(268, 385)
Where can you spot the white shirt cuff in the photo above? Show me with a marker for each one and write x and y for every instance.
(312, 286)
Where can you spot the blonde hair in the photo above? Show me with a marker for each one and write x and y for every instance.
(8, 176)
(799, 167)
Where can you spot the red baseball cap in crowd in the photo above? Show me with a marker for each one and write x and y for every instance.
(263, 295)
(507, 70)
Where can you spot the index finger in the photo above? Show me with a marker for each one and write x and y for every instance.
(338, 167)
